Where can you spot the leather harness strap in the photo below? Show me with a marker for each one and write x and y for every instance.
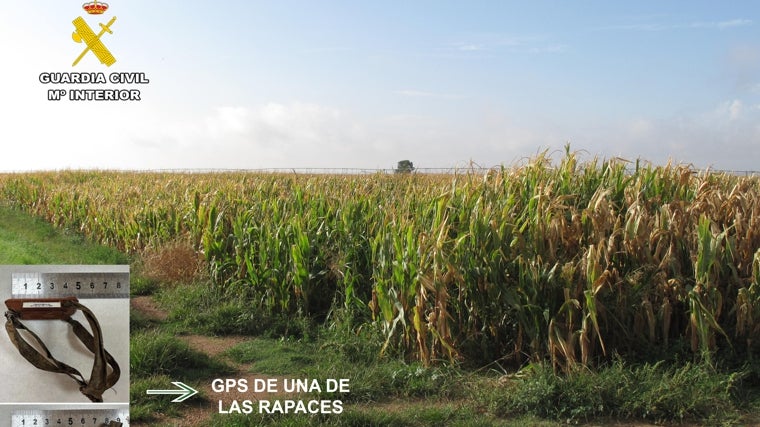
(62, 309)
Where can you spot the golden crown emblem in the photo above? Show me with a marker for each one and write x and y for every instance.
(95, 7)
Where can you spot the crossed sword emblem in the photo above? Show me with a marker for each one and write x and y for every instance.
(84, 33)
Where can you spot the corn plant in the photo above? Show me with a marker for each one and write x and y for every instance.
(563, 260)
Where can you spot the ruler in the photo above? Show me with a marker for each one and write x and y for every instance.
(66, 284)
(72, 417)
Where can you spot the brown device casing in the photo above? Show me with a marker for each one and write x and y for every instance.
(42, 308)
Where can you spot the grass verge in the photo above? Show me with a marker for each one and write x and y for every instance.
(651, 392)
(415, 414)
(663, 392)
(158, 358)
(28, 240)
(379, 381)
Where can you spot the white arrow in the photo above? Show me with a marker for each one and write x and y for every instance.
(186, 392)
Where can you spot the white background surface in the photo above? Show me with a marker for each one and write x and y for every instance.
(23, 383)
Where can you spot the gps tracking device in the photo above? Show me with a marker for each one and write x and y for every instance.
(62, 309)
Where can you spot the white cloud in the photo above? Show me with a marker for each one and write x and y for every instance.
(745, 57)
(269, 135)
(301, 135)
(307, 135)
(735, 109)
(329, 49)
(495, 43)
(640, 128)
(267, 124)
(726, 137)
(424, 94)
(726, 112)
(469, 47)
(719, 25)
(554, 48)
(228, 120)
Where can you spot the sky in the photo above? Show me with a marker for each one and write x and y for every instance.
(360, 84)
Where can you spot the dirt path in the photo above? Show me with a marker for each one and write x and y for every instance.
(198, 413)
(214, 347)
(148, 308)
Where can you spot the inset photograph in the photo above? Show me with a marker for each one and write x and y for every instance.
(67, 334)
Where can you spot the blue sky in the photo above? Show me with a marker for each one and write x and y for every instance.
(293, 84)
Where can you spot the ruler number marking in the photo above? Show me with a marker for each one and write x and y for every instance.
(61, 284)
(68, 418)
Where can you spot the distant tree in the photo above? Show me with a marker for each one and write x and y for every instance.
(404, 166)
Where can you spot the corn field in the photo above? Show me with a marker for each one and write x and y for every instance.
(569, 262)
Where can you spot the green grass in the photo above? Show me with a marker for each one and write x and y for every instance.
(141, 286)
(200, 309)
(158, 353)
(140, 322)
(380, 380)
(651, 392)
(147, 408)
(28, 240)
(158, 358)
(416, 414)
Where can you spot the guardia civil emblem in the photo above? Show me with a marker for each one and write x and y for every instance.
(83, 33)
